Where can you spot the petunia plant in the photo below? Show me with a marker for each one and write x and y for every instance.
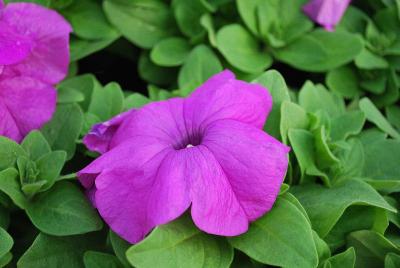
(199, 133)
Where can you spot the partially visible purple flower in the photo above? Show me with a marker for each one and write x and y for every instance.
(34, 55)
(207, 151)
(326, 12)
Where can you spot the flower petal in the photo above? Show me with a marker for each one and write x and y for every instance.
(13, 47)
(26, 104)
(162, 120)
(100, 136)
(215, 208)
(254, 163)
(49, 31)
(224, 97)
(133, 201)
(326, 12)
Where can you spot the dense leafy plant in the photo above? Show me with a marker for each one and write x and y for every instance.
(336, 104)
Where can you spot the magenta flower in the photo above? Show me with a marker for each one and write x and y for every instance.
(326, 12)
(34, 55)
(207, 151)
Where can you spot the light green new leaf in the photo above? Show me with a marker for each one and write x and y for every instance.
(270, 239)
(35, 145)
(180, 244)
(292, 116)
(106, 102)
(64, 210)
(9, 152)
(143, 22)
(326, 205)
(170, 51)
(10, 185)
(374, 115)
(50, 166)
(200, 65)
(371, 248)
(321, 51)
(241, 49)
(349, 123)
(314, 98)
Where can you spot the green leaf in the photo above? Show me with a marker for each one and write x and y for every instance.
(62, 252)
(10, 185)
(282, 21)
(343, 81)
(353, 219)
(49, 167)
(374, 115)
(321, 51)
(180, 244)
(393, 115)
(94, 259)
(270, 239)
(143, 22)
(106, 102)
(6, 242)
(207, 22)
(392, 260)
(371, 248)
(279, 91)
(153, 73)
(170, 51)
(292, 117)
(248, 12)
(9, 152)
(82, 48)
(5, 259)
(345, 259)
(314, 98)
(200, 65)
(322, 248)
(369, 61)
(352, 160)
(347, 124)
(382, 160)
(324, 156)
(35, 145)
(64, 128)
(88, 20)
(187, 15)
(64, 210)
(241, 49)
(303, 145)
(325, 205)
(120, 247)
(4, 217)
(135, 100)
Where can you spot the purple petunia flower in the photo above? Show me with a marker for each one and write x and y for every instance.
(34, 55)
(207, 151)
(326, 12)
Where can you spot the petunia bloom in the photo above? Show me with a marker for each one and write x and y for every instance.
(207, 152)
(326, 12)
(34, 55)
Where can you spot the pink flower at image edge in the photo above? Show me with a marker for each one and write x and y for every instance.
(206, 152)
(326, 12)
(34, 56)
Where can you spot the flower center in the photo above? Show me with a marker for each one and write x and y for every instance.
(189, 141)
